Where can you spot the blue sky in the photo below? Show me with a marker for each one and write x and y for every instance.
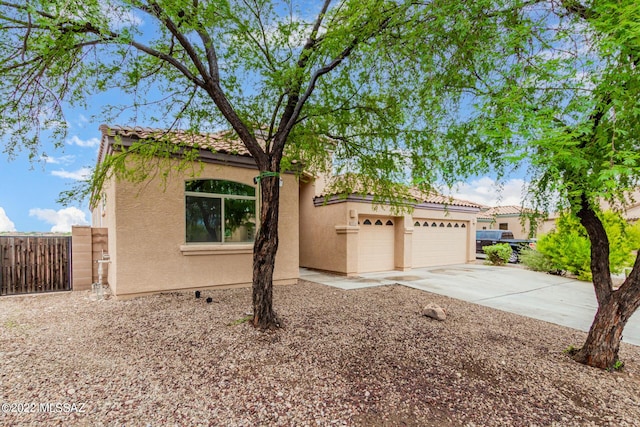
(29, 191)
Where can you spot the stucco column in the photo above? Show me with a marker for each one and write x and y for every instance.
(471, 238)
(348, 235)
(403, 242)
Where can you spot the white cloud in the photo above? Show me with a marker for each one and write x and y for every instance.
(62, 160)
(62, 219)
(487, 192)
(79, 175)
(5, 223)
(92, 142)
(120, 17)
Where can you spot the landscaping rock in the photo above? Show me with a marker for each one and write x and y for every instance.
(434, 311)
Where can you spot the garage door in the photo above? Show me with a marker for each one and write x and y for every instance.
(376, 244)
(438, 242)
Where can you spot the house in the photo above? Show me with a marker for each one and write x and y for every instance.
(352, 235)
(190, 233)
(630, 211)
(177, 232)
(507, 218)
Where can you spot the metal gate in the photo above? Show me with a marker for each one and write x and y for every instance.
(34, 264)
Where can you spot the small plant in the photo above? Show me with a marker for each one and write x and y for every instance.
(498, 254)
(10, 324)
(537, 261)
(571, 350)
(617, 366)
(240, 321)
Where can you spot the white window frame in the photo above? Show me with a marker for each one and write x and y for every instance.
(222, 198)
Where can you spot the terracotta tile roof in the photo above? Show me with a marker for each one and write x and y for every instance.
(448, 200)
(440, 199)
(502, 210)
(358, 188)
(221, 142)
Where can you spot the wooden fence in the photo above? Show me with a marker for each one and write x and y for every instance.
(32, 264)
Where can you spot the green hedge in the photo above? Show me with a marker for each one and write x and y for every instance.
(567, 248)
(498, 254)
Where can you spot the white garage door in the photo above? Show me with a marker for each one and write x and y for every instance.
(376, 244)
(439, 242)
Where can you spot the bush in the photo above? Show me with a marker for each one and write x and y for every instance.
(568, 247)
(536, 261)
(498, 254)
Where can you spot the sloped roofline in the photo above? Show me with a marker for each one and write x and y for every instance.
(225, 142)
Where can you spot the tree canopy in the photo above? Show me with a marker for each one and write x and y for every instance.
(378, 85)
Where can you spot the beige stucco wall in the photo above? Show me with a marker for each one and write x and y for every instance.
(547, 225)
(88, 245)
(103, 216)
(632, 213)
(147, 246)
(81, 262)
(513, 222)
(329, 234)
(322, 246)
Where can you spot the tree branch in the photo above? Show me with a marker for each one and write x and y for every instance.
(294, 91)
(159, 13)
(575, 7)
(263, 48)
(210, 81)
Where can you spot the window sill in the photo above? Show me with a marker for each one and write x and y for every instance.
(190, 250)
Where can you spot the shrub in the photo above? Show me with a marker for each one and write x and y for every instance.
(498, 254)
(568, 247)
(536, 261)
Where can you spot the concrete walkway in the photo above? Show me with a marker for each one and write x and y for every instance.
(554, 299)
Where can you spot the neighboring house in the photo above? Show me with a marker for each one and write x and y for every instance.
(192, 233)
(352, 236)
(507, 218)
(630, 212)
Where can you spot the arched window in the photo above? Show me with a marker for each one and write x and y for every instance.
(456, 226)
(378, 222)
(367, 222)
(219, 211)
(426, 224)
(389, 222)
(416, 224)
(464, 226)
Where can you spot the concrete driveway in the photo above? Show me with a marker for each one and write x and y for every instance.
(554, 299)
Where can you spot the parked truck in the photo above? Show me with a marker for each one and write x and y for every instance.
(493, 237)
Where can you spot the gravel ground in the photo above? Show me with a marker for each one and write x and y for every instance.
(360, 358)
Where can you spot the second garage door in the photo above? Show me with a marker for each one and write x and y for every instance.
(438, 242)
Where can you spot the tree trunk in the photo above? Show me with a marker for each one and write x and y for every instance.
(615, 307)
(264, 254)
(603, 342)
